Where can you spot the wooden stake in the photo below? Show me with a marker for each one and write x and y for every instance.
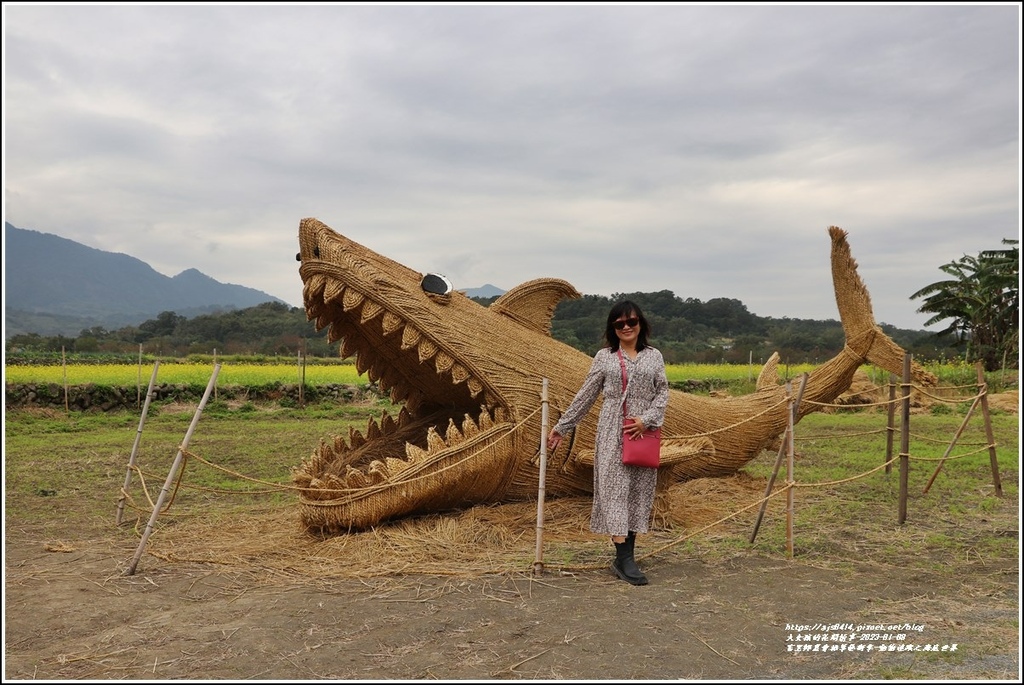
(789, 476)
(138, 380)
(538, 561)
(135, 447)
(173, 472)
(983, 390)
(956, 436)
(891, 425)
(771, 484)
(778, 460)
(795, 409)
(302, 376)
(904, 442)
(64, 366)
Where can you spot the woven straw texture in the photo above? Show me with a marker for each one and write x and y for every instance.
(471, 378)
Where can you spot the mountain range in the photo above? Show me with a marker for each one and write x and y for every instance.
(56, 286)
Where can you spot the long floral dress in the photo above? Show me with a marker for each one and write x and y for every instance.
(623, 495)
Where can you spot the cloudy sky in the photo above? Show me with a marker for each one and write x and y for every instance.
(699, 149)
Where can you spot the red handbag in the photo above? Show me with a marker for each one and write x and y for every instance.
(644, 449)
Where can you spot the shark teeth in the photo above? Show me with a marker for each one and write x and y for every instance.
(333, 290)
(426, 350)
(410, 337)
(351, 299)
(370, 311)
(381, 325)
(335, 461)
(314, 287)
(390, 323)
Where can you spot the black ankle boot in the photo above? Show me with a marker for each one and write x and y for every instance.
(630, 542)
(625, 565)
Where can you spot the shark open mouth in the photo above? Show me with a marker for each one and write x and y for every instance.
(449, 411)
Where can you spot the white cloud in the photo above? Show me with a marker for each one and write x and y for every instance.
(699, 149)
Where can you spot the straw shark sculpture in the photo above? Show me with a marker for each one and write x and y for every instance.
(469, 379)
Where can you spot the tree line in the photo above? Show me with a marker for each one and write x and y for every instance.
(980, 300)
(686, 331)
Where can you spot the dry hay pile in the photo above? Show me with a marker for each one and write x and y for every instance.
(482, 540)
(696, 504)
(1008, 401)
(866, 394)
(275, 545)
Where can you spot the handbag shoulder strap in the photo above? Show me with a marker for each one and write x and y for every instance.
(625, 380)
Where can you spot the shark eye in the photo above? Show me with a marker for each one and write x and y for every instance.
(436, 284)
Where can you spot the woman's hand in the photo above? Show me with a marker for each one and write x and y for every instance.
(633, 427)
(553, 439)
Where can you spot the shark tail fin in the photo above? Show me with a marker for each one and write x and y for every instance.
(865, 340)
(852, 296)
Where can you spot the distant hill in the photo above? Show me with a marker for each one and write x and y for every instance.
(485, 291)
(56, 286)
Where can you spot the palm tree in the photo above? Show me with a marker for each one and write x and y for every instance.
(980, 302)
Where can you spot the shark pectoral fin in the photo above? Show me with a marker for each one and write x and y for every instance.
(583, 458)
(673, 451)
(680, 450)
(532, 304)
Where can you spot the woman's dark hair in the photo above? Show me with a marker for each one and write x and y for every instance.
(625, 308)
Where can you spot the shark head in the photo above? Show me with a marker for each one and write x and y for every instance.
(467, 377)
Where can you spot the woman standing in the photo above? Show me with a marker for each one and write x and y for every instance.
(623, 495)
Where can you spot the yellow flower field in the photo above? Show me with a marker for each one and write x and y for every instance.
(234, 373)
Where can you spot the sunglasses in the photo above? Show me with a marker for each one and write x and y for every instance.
(632, 322)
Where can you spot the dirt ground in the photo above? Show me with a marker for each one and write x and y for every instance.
(72, 613)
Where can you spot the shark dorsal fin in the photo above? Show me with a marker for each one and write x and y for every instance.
(769, 376)
(532, 304)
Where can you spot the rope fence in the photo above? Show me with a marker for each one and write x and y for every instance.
(175, 479)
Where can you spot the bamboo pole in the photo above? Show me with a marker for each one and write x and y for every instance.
(138, 380)
(890, 426)
(771, 484)
(64, 367)
(904, 442)
(983, 390)
(302, 377)
(778, 461)
(799, 396)
(173, 472)
(952, 443)
(538, 561)
(789, 476)
(135, 447)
